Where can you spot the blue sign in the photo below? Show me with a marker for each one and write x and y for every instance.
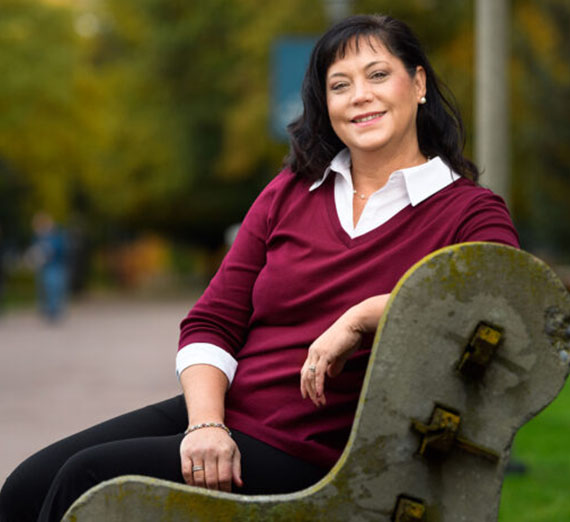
(290, 57)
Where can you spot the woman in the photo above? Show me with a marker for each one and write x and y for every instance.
(375, 180)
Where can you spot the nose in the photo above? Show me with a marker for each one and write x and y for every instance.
(361, 93)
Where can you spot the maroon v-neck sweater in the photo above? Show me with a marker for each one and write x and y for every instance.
(291, 272)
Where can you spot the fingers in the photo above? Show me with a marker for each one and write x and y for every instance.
(225, 464)
(217, 474)
(210, 461)
(319, 379)
(236, 469)
(308, 389)
(199, 474)
(187, 471)
(224, 475)
(313, 379)
(328, 354)
(210, 474)
(206, 475)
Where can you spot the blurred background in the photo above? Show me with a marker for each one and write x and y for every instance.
(136, 133)
(144, 127)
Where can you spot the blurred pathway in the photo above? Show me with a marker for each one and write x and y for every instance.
(105, 358)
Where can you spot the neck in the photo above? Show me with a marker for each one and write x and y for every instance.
(370, 171)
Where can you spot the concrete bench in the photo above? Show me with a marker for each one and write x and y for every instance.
(474, 343)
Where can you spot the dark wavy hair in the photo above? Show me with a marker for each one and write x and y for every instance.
(439, 126)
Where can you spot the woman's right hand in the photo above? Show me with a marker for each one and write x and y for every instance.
(214, 450)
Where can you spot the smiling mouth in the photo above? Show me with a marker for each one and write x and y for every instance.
(368, 117)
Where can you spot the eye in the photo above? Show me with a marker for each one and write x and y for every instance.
(378, 75)
(338, 86)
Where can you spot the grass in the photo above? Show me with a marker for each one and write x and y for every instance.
(543, 445)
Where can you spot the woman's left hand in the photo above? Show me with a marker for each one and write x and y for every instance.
(330, 351)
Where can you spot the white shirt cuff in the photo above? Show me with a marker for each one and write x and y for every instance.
(206, 353)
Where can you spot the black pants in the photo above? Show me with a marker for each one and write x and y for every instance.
(143, 442)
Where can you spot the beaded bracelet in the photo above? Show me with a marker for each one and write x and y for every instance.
(208, 425)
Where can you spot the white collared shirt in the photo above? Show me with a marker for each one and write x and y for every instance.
(404, 187)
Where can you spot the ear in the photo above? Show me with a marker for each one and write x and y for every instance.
(420, 81)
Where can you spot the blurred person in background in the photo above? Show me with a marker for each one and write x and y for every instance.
(272, 357)
(49, 255)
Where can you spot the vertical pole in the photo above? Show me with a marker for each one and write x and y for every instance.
(337, 9)
(491, 99)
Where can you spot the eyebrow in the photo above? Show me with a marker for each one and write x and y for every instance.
(371, 64)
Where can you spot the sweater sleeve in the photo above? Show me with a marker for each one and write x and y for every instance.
(220, 317)
(487, 218)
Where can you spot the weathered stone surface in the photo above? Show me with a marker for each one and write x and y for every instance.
(433, 312)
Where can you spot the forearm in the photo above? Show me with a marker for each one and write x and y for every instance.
(204, 389)
(209, 457)
(364, 317)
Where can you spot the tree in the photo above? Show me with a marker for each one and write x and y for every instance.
(37, 136)
(541, 159)
(154, 113)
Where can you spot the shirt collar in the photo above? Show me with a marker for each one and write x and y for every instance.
(421, 181)
(340, 163)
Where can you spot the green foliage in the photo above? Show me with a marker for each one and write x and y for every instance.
(37, 134)
(153, 114)
(180, 90)
(540, 114)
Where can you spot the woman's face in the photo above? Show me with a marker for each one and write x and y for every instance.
(372, 100)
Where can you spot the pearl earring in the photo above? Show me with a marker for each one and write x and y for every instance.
(423, 100)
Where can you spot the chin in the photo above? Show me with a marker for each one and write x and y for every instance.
(368, 147)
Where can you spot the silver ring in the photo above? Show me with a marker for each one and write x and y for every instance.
(312, 368)
(197, 468)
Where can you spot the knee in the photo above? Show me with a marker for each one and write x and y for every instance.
(79, 471)
(18, 496)
(76, 476)
(25, 490)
